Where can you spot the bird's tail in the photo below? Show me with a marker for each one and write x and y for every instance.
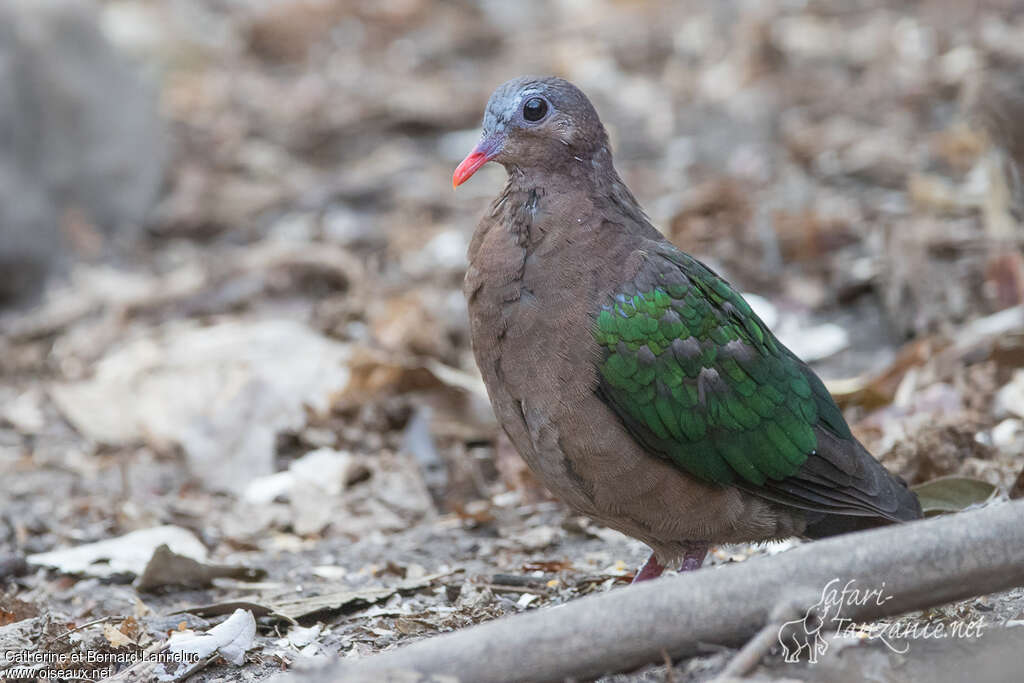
(820, 525)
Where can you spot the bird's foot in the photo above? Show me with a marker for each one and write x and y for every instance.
(652, 569)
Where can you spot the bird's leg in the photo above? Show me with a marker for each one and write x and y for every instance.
(652, 569)
(694, 553)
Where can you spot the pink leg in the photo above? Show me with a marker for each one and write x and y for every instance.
(652, 569)
(693, 557)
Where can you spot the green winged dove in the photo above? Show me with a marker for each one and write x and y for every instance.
(637, 383)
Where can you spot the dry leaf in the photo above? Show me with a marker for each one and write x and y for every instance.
(128, 554)
(549, 566)
(116, 637)
(301, 608)
(231, 639)
(167, 568)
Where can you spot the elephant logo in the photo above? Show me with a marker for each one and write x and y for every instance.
(803, 637)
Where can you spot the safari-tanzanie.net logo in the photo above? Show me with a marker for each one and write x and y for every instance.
(809, 637)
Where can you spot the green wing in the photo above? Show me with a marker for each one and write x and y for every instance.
(698, 378)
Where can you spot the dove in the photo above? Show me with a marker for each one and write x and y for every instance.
(637, 383)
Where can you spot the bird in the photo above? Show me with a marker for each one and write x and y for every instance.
(637, 384)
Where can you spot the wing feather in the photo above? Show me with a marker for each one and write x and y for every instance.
(698, 378)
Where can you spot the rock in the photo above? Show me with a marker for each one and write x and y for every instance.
(81, 138)
(30, 244)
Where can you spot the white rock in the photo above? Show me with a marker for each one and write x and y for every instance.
(81, 131)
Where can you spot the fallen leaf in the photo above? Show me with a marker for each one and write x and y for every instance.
(307, 607)
(299, 636)
(167, 568)
(549, 566)
(410, 626)
(141, 608)
(124, 555)
(12, 610)
(231, 639)
(879, 389)
(952, 494)
(536, 538)
(223, 392)
(220, 608)
(525, 599)
(329, 470)
(1010, 398)
(458, 399)
(116, 637)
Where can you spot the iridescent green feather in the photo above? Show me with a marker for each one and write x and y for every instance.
(698, 377)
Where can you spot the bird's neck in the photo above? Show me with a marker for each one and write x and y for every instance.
(565, 197)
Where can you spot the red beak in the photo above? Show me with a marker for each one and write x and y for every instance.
(484, 151)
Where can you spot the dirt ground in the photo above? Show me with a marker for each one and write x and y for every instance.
(277, 376)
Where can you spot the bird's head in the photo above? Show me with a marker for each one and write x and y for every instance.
(535, 123)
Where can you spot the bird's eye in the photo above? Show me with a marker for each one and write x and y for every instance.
(535, 109)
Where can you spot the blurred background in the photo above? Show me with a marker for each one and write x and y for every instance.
(231, 260)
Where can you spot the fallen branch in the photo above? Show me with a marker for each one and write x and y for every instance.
(920, 565)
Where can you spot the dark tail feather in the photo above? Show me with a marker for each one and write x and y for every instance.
(820, 524)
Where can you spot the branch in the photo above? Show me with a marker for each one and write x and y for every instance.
(922, 564)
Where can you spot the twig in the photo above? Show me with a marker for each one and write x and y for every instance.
(86, 625)
(670, 674)
(757, 647)
(503, 588)
(751, 653)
